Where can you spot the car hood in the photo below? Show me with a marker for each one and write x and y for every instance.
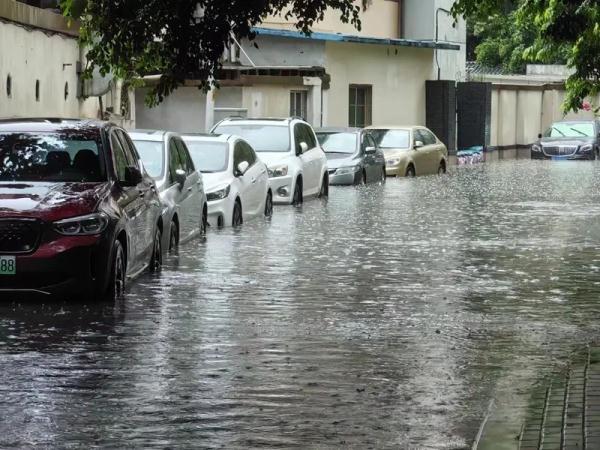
(215, 181)
(274, 158)
(50, 201)
(570, 141)
(337, 160)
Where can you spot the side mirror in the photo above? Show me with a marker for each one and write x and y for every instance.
(180, 177)
(370, 150)
(303, 147)
(540, 136)
(241, 168)
(133, 176)
(419, 144)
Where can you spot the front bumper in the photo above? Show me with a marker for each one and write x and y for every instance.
(395, 170)
(220, 213)
(344, 179)
(67, 267)
(576, 157)
(283, 189)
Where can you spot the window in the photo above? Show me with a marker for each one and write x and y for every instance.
(360, 106)
(248, 153)
(298, 104)
(175, 163)
(367, 142)
(9, 86)
(428, 137)
(262, 138)
(303, 133)
(418, 136)
(120, 159)
(66, 91)
(152, 156)
(37, 90)
(209, 157)
(238, 155)
(184, 156)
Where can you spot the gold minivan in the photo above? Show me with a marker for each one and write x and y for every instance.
(410, 150)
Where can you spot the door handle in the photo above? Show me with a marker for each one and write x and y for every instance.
(190, 189)
(253, 180)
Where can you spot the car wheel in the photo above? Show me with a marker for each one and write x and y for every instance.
(383, 176)
(156, 259)
(442, 169)
(324, 192)
(174, 237)
(203, 224)
(118, 274)
(363, 178)
(237, 218)
(410, 172)
(297, 199)
(269, 205)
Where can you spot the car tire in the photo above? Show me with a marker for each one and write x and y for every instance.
(383, 176)
(237, 218)
(156, 258)
(442, 169)
(173, 236)
(118, 273)
(204, 224)
(324, 192)
(269, 205)
(363, 178)
(298, 199)
(410, 171)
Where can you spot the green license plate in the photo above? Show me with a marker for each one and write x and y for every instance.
(8, 265)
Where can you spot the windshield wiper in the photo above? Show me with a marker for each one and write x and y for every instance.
(561, 133)
(578, 131)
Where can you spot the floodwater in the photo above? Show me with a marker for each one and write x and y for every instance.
(387, 317)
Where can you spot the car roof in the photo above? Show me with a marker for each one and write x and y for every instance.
(150, 135)
(205, 137)
(394, 127)
(338, 130)
(281, 121)
(51, 125)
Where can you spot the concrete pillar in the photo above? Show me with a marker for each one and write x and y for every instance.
(209, 118)
(315, 101)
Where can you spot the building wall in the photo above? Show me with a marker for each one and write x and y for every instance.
(279, 51)
(28, 56)
(381, 19)
(182, 111)
(397, 75)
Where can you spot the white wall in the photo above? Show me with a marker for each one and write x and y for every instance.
(397, 75)
(29, 55)
(182, 111)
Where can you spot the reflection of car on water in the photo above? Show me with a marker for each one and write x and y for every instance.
(568, 140)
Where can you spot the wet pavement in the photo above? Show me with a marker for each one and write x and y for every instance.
(388, 317)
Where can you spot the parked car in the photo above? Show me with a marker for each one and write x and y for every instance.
(237, 182)
(180, 185)
(78, 213)
(411, 150)
(297, 164)
(569, 140)
(352, 156)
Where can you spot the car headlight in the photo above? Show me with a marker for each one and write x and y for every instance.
(277, 171)
(536, 148)
(218, 195)
(586, 148)
(347, 170)
(393, 162)
(82, 226)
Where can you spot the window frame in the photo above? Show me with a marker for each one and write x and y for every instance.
(353, 105)
(303, 94)
(111, 134)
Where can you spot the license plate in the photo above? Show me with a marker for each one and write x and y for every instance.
(8, 265)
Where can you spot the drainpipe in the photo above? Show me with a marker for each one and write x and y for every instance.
(437, 32)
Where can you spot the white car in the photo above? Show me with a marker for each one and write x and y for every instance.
(180, 186)
(297, 164)
(236, 181)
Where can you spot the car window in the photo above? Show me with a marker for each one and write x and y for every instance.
(418, 136)
(391, 138)
(184, 156)
(248, 153)
(175, 163)
(338, 142)
(310, 136)
(298, 136)
(209, 157)
(120, 159)
(262, 138)
(130, 153)
(428, 137)
(239, 155)
(371, 141)
(152, 153)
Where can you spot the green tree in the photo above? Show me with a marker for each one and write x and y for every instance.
(568, 29)
(179, 39)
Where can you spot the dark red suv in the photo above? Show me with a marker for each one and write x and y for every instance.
(78, 213)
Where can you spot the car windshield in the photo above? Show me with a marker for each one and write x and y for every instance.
(338, 142)
(391, 138)
(152, 155)
(262, 138)
(54, 157)
(209, 157)
(570, 129)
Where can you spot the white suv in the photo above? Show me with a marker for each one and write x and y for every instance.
(297, 164)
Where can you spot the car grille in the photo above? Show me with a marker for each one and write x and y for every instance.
(563, 150)
(19, 236)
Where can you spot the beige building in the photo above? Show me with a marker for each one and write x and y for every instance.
(339, 76)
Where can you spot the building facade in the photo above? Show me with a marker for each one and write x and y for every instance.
(339, 76)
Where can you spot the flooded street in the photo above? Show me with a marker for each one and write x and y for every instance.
(387, 317)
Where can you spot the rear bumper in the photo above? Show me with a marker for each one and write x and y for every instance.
(68, 267)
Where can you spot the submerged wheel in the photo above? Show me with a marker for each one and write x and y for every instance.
(173, 237)
(324, 192)
(118, 275)
(410, 172)
(383, 176)
(156, 259)
(269, 205)
(297, 199)
(442, 169)
(237, 218)
(204, 224)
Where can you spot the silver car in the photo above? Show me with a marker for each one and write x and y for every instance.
(352, 156)
(167, 160)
